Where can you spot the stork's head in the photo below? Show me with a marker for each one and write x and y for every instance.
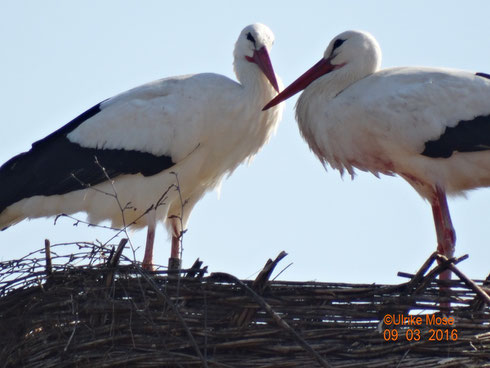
(352, 54)
(354, 47)
(253, 45)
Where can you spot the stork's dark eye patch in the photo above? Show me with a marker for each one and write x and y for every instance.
(337, 43)
(250, 38)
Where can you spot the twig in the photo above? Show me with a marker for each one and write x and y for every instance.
(421, 272)
(195, 270)
(89, 224)
(115, 258)
(284, 269)
(470, 283)
(74, 327)
(113, 261)
(71, 337)
(259, 285)
(180, 218)
(260, 281)
(478, 304)
(89, 186)
(116, 197)
(47, 250)
(408, 350)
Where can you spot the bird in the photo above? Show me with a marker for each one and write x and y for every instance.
(430, 126)
(149, 154)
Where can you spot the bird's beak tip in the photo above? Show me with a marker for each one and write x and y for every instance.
(316, 71)
(270, 104)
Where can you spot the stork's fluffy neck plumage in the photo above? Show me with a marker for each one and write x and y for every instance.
(358, 57)
(257, 88)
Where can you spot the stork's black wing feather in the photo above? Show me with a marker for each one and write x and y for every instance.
(55, 165)
(466, 136)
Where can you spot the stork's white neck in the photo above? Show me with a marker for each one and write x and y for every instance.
(257, 91)
(257, 87)
(327, 87)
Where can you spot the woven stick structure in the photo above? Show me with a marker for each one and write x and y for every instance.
(95, 307)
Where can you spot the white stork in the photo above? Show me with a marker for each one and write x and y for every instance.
(431, 126)
(200, 127)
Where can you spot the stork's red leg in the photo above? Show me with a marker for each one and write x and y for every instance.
(175, 251)
(448, 233)
(174, 262)
(446, 236)
(150, 239)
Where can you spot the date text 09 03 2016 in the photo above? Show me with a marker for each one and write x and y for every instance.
(416, 335)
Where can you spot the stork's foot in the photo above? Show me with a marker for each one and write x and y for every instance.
(447, 250)
(148, 263)
(444, 290)
(174, 264)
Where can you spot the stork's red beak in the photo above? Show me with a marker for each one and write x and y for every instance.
(261, 58)
(316, 71)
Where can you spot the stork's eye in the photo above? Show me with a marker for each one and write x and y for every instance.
(337, 44)
(250, 38)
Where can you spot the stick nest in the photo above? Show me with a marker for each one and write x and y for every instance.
(95, 307)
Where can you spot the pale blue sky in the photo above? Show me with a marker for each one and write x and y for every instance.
(58, 58)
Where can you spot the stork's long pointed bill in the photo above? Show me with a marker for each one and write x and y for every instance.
(316, 71)
(262, 59)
